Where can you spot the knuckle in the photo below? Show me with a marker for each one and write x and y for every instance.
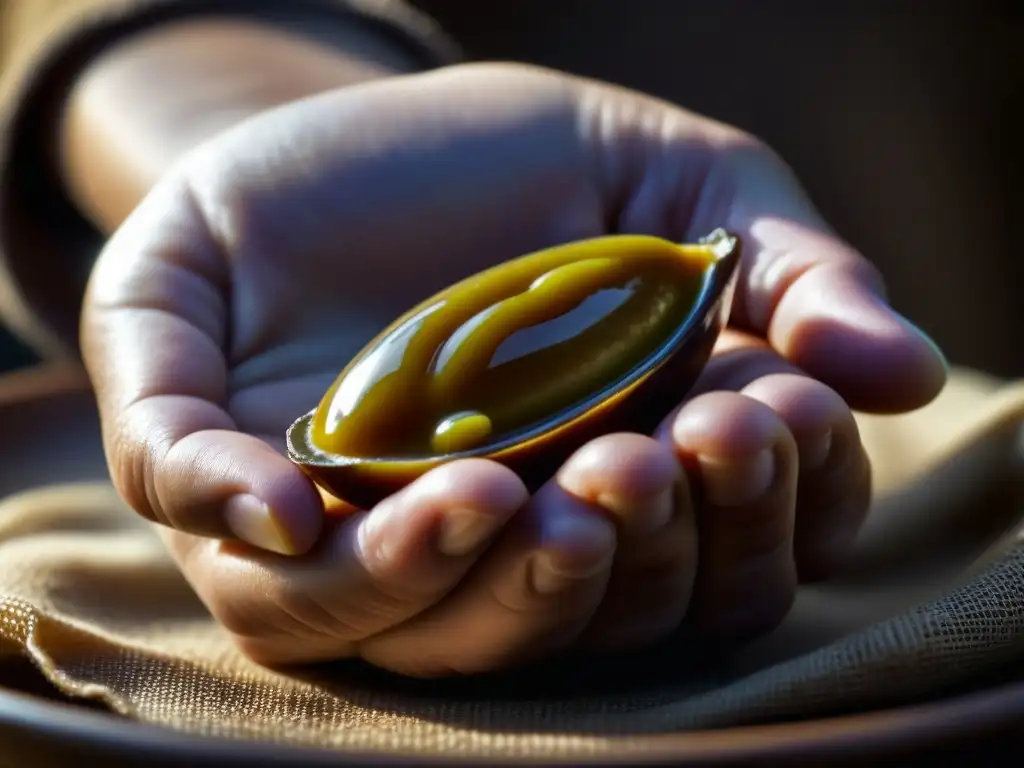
(742, 147)
(388, 588)
(395, 595)
(510, 70)
(313, 603)
(847, 482)
(806, 405)
(744, 140)
(668, 556)
(662, 583)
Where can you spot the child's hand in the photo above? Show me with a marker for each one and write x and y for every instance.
(229, 301)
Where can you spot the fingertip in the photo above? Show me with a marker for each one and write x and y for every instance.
(294, 506)
(925, 358)
(454, 510)
(806, 405)
(573, 541)
(836, 327)
(835, 473)
(625, 466)
(257, 523)
(746, 460)
(227, 484)
(474, 483)
(726, 424)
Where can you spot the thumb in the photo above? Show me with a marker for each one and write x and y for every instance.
(152, 324)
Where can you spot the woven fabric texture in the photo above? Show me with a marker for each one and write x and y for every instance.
(933, 601)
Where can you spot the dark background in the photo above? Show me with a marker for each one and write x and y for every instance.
(896, 115)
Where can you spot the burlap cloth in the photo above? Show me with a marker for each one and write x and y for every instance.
(933, 602)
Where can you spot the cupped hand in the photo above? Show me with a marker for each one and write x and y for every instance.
(228, 302)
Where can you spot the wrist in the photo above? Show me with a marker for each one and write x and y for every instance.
(153, 97)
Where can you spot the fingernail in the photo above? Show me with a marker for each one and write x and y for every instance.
(814, 451)
(253, 522)
(641, 515)
(550, 575)
(736, 481)
(464, 530)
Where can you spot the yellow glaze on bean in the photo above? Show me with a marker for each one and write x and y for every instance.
(510, 348)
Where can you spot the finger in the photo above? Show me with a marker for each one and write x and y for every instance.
(834, 486)
(834, 489)
(532, 594)
(813, 296)
(374, 571)
(153, 328)
(817, 300)
(738, 359)
(744, 462)
(639, 485)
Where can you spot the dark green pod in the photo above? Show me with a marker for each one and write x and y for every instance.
(523, 363)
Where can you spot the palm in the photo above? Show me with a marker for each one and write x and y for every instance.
(313, 279)
(283, 356)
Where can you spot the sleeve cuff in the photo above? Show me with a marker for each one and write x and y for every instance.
(46, 246)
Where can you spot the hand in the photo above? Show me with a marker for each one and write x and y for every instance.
(232, 297)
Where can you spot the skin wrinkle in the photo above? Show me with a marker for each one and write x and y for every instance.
(755, 171)
(137, 292)
(170, 197)
(206, 390)
(197, 204)
(592, 126)
(235, 560)
(639, 177)
(717, 187)
(165, 484)
(136, 479)
(102, 324)
(295, 613)
(388, 600)
(138, 483)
